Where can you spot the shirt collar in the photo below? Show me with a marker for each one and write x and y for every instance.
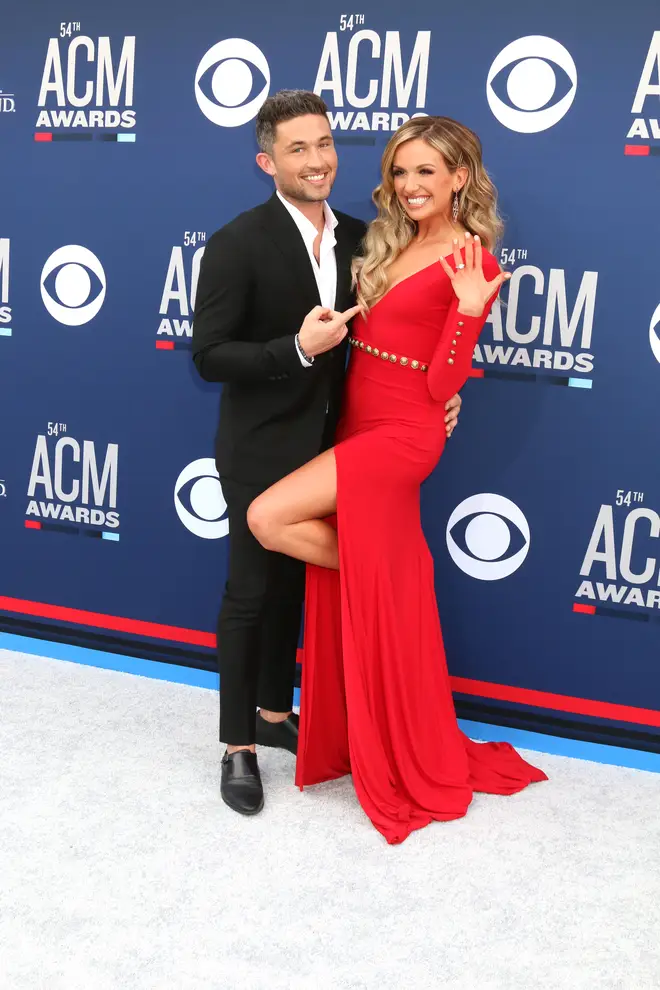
(304, 225)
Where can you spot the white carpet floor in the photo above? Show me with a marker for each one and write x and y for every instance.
(121, 869)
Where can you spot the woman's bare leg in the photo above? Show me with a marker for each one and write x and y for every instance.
(289, 517)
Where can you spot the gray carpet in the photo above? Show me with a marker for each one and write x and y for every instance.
(120, 868)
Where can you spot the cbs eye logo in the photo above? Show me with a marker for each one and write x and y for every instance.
(494, 533)
(541, 68)
(73, 285)
(654, 334)
(232, 82)
(199, 502)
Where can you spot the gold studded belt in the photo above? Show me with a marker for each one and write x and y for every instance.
(386, 356)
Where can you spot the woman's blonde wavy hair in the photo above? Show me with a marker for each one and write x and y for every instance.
(392, 230)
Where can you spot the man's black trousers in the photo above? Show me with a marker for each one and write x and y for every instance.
(258, 625)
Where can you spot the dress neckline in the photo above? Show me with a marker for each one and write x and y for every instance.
(419, 271)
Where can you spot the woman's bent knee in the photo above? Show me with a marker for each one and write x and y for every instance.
(262, 524)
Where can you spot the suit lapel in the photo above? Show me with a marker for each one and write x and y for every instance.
(280, 227)
(283, 232)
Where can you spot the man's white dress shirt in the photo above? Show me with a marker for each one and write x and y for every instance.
(325, 269)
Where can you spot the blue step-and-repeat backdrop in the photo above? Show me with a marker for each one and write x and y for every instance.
(127, 138)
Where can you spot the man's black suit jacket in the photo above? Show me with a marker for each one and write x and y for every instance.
(256, 285)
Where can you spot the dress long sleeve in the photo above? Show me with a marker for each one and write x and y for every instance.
(452, 360)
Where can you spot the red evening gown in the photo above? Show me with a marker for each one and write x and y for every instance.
(376, 700)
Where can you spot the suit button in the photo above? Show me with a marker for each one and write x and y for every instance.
(450, 360)
(414, 365)
(384, 355)
(452, 352)
(460, 323)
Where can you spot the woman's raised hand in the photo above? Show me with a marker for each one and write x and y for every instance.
(468, 281)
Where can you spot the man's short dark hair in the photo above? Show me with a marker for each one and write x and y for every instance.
(285, 105)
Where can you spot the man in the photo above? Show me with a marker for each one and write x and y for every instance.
(273, 301)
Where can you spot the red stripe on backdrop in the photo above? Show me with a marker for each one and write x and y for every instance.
(556, 702)
(636, 149)
(477, 373)
(462, 685)
(32, 524)
(41, 136)
(98, 620)
(164, 345)
(585, 609)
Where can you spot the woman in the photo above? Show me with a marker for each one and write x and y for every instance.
(376, 698)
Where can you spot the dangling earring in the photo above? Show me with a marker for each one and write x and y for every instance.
(454, 209)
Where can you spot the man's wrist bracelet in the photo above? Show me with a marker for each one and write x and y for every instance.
(302, 349)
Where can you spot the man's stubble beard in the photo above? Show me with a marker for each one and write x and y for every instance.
(304, 194)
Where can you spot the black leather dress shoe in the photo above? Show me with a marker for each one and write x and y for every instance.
(281, 735)
(241, 786)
